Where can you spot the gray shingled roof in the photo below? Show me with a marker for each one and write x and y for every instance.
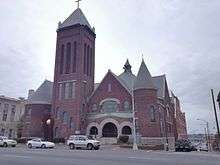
(144, 79)
(77, 17)
(43, 95)
(127, 79)
(96, 86)
(159, 83)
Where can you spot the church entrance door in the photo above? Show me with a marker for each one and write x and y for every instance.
(109, 130)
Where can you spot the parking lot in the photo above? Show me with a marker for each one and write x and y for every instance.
(107, 155)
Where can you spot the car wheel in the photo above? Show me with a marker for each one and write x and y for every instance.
(29, 145)
(13, 146)
(96, 148)
(90, 146)
(72, 146)
(43, 146)
(5, 145)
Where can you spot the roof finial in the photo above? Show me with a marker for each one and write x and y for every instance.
(142, 57)
(127, 67)
(78, 1)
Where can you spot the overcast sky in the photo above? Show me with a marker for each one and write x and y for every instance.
(179, 38)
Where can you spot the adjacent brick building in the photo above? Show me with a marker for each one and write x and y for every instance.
(180, 119)
(79, 106)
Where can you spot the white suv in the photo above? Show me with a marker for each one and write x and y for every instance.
(5, 142)
(81, 141)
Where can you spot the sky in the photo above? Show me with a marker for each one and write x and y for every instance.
(179, 38)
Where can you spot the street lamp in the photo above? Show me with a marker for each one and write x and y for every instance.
(208, 133)
(48, 121)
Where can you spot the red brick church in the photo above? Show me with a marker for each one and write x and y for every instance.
(75, 104)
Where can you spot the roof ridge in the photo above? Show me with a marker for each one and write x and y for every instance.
(163, 75)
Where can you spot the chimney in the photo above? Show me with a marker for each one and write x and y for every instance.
(30, 93)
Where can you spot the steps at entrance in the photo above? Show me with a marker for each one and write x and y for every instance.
(108, 140)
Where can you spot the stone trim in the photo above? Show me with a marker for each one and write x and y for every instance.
(109, 99)
(108, 120)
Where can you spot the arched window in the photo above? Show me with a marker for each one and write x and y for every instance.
(56, 132)
(93, 131)
(127, 106)
(65, 117)
(110, 106)
(109, 87)
(60, 115)
(74, 57)
(68, 58)
(152, 114)
(57, 113)
(94, 108)
(126, 130)
(85, 59)
(62, 59)
(91, 62)
(88, 61)
(168, 112)
(71, 124)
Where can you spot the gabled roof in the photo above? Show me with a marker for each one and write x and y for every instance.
(117, 78)
(144, 79)
(77, 17)
(43, 94)
(127, 79)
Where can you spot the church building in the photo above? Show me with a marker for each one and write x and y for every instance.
(75, 104)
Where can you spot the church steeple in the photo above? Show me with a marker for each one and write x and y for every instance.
(77, 17)
(127, 67)
(74, 71)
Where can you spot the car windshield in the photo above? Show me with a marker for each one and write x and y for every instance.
(90, 138)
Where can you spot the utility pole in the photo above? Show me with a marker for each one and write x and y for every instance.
(135, 147)
(216, 117)
(207, 134)
(166, 130)
(206, 137)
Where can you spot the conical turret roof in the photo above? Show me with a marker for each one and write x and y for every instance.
(144, 79)
(77, 17)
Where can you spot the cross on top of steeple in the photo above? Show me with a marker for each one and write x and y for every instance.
(78, 1)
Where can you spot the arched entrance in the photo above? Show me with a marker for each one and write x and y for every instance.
(93, 131)
(126, 130)
(109, 130)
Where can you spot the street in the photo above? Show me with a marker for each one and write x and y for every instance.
(105, 156)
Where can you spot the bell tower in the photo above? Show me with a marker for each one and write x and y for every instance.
(73, 74)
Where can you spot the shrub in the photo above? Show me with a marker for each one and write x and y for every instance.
(22, 140)
(59, 140)
(123, 139)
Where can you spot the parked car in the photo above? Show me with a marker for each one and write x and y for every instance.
(5, 142)
(81, 141)
(39, 143)
(184, 145)
(202, 147)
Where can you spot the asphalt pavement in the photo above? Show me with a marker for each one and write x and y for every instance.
(107, 155)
